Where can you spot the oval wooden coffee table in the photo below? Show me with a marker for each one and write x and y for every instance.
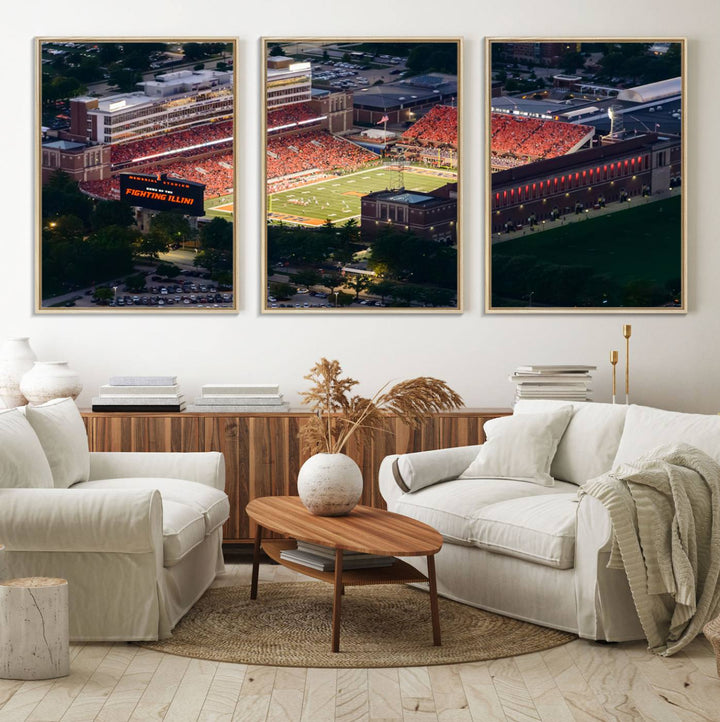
(364, 529)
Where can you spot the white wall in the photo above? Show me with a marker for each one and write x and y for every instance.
(674, 358)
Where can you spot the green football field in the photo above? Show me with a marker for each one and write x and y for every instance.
(339, 198)
(220, 206)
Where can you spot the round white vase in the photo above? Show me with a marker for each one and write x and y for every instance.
(330, 484)
(16, 359)
(49, 380)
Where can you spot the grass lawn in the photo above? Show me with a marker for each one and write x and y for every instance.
(339, 198)
(640, 242)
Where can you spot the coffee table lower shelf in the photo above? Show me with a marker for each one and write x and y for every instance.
(399, 572)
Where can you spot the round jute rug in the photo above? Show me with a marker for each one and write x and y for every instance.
(289, 625)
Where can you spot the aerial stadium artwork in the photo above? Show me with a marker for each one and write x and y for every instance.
(136, 175)
(361, 146)
(586, 210)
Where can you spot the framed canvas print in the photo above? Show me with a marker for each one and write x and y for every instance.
(136, 175)
(585, 155)
(361, 158)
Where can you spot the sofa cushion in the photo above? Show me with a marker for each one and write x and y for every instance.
(540, 529)
(212, 504)
(61, 431)
(419, 469)
(183, 530)
(591, 439)
(454, 508)
(647, 428)
(520, 447)
(23, 463)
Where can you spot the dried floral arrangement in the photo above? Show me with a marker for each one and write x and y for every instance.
(339, 415)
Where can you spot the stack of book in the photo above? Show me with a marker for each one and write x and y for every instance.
(140, 393)
(564, 382)
(322, 558)
(240, 398)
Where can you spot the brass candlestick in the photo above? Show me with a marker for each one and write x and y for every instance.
(627, 331)
(613, 361)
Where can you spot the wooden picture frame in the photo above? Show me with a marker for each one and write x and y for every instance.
(135, 188)
(585, 158)
(361, 161)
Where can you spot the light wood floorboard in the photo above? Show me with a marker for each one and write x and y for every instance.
(578, 682)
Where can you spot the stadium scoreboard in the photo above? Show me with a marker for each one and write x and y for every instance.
(163, 193)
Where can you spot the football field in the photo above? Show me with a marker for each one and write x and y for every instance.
(221, 206)
(339, 198)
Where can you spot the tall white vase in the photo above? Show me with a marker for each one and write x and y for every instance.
(16, 358)
(330, 484)
(49, 380)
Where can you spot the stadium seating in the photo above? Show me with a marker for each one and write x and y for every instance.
(313, 150)
(216, 173)
(289, 115)
(179, 141)
(533, 138)
(437, 127)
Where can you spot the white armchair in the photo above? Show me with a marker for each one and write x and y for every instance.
(137, 536)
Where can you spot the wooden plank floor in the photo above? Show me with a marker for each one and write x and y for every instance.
(580, 681)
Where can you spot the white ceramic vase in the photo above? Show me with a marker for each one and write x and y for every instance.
(16, 358)
(49, 380)
(330, 484)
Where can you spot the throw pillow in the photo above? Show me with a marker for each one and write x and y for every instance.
(420, 469)
(22, 460)
(590, 442)
(647, 428)
(520, 447)
(61, 431)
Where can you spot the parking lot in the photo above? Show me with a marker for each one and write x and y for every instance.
(308, 299)
(187, 291)
(357, 75)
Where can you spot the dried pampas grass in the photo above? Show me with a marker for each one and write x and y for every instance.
(339, 415)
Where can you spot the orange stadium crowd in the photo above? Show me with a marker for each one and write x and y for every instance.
(179, 141)
(437, 127)
(215, 173)
(534, 138)
(289, 115)
(315, 149)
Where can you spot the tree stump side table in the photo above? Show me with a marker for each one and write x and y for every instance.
(34, 628)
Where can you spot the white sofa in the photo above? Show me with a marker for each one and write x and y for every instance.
(138, 536)
(539, 553)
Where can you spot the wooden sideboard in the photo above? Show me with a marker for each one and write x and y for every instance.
(262, 452)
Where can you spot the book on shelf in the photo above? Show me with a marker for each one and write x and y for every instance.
(170, 408)
(546, 392)
(554, 389)
(563, 382)
(110, 390)
(238, 408)
(548, 396)
(554, 369)
(143, 380)
(139, 400)
(329, 552)
(240, 399)
(240, 389)
(323, 564)
(533, 379)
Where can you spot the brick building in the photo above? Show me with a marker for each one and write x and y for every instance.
(646, 164)
(430, 215)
